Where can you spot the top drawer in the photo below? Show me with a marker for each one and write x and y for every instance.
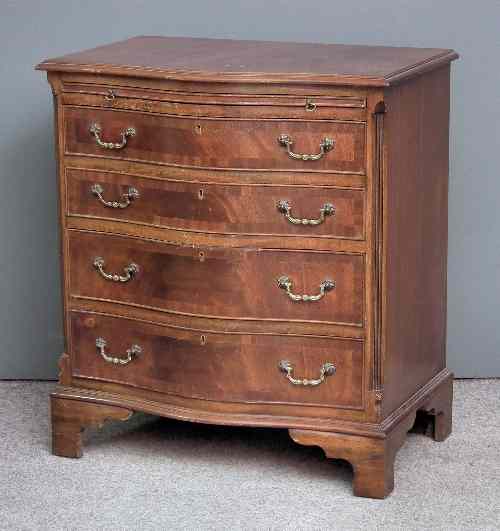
(217, 143)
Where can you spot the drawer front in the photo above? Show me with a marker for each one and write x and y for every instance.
(226, 209)
(218, 143)
(214, 366)
(217, 282)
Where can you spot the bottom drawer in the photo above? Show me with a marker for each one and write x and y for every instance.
(227, 367)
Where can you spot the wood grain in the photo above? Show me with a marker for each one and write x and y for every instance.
(211, 244)
(303, 418)
(212, 366)
(313, 107)
(214, 208)
(372, 458)
(352, 421)
(212, 324)
(415, 234)
(218, 282)
(71, 417)
(245, 144)
(255, 61)
(306, 179)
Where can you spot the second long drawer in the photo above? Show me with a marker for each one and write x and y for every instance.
(234, 283)
(326, 212)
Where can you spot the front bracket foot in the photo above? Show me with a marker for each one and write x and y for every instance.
(373, 452)
(371, 457)
(71, 416)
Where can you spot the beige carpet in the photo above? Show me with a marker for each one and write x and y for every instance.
(153, 473)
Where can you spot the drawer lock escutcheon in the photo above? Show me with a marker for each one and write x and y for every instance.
(286, 284)
(126, 198)
(132, 352)
(327, 369)
(96, 130)
(325, 145)
(286, 209)
(129, 271)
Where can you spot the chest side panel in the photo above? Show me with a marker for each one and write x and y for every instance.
(415, 200)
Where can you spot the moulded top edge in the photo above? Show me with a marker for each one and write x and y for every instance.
(223, 60)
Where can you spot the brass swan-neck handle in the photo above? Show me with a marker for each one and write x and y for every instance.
(285, 208)
(286, 284)
(325, 145)
(126, 198)
(96, 130)
(129, 271)
(132, 352)
(327, 369)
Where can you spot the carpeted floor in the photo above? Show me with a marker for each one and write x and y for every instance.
(151, 473)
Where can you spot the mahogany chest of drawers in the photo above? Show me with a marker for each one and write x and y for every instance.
(254, 233)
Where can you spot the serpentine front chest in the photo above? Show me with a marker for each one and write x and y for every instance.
(254, 233)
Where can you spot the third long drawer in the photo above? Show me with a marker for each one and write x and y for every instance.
(233, 283)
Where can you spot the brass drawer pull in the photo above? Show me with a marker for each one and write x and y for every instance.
(132, 352)
(127, 197)
(327, 369)
(130, 271)
(325, 145)
(110, 95)
(96, 130)
(286, 209)
(285, 283)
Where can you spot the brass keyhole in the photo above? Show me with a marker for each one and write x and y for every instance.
(198, 129)
(203, 339)
(201, 256)
(200, 194)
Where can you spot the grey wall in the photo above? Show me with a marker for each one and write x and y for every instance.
(30, 318)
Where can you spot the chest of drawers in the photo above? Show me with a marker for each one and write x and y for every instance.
(255, 234)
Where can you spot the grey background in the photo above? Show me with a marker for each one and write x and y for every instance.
(30, 316)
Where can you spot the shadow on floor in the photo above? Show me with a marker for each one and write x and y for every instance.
(158, 438)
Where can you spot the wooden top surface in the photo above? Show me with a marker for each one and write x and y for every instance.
(185, 58)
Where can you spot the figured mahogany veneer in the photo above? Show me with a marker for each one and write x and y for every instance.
(183, 211)
(214, 366)
(219, 143)
(218, 208)
(218, 282)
